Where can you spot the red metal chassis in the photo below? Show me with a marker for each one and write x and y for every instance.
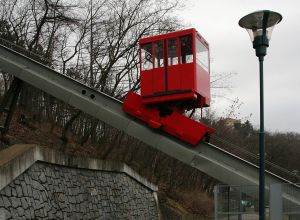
(175, 124)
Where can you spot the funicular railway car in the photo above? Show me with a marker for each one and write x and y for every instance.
(174, 74)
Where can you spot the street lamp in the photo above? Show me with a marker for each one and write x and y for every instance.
(259, 25)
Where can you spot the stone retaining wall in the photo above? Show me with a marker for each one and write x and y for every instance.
(54, 191)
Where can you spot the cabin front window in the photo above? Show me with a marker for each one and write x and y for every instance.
(202, 55)
(186, 49)
(147, 56)
(172, 52)
(158, 54)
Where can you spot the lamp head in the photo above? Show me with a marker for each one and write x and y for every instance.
(260, 22)
(260, 25)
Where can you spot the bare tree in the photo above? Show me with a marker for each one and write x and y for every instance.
(107, 55)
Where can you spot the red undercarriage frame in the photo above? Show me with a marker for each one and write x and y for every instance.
(170, 120)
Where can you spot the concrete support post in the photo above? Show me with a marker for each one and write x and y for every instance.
(216, 192)
(275, 201)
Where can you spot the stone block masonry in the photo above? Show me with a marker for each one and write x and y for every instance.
(52, 189)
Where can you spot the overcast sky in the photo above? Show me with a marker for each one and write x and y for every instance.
(231, 51)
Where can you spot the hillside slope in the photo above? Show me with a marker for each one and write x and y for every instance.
(176, 198)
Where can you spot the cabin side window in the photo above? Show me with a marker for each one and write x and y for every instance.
(146, 51)
(158, 54)
(186, 49)
(202, 55)
(172, 52)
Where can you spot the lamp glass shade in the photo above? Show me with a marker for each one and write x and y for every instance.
(258, 22)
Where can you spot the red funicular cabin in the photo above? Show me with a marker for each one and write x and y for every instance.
(174, 73)
(175, 66)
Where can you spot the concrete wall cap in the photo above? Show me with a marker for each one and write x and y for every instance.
(18, 158)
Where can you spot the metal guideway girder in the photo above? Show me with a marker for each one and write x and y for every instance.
(215, 162)
(9, 102)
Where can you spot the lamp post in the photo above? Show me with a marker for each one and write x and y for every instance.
(259, 25)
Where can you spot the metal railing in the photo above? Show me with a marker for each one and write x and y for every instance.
(241, 203)
(253, 158)
(24, 51)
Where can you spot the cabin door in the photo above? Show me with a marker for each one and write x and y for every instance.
(172, 70)
(159, 76)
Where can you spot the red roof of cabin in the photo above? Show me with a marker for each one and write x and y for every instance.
(171, 35)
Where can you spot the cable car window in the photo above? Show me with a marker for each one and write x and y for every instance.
(172, 52)
(202, 55)
(158, 54)
(186, 49)
(147, 56)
